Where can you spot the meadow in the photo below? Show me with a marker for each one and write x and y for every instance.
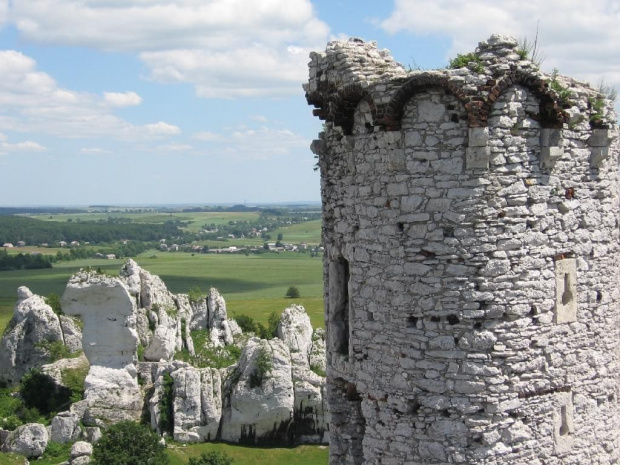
(251, 284)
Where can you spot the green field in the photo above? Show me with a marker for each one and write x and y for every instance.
(253, 284)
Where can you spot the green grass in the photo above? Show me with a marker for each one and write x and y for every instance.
(242, 455)
(308, 232)
(254, 284)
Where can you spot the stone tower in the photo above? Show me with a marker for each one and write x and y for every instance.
(471, 260)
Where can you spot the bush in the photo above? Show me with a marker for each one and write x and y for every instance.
(264, 364)
(53, 300)
(166, 405)
(246, 323)
(292, 292)
(129, 443)
(40, 392)
(211, 458)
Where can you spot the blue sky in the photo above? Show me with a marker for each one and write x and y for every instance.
(200, 101)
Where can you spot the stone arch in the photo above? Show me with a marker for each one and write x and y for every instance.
(551, 114)
(344, 105)
(394, 111)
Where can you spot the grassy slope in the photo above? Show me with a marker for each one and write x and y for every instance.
(300, 455)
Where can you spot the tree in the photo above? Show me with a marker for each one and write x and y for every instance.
(292, 292)
(211, 458)
(129, 443)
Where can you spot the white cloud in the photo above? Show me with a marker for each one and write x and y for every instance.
(31, 100)
(579, 38)
(175, 148)
(117, 99)
(226, 48)
(260, 143)
(161, 128)
(25, 146)
(93, 150)
(207, 136)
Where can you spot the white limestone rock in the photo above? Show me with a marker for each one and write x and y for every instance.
(29, 440)
(317, 358)
(80, 449)
(110, 341)
(33, 325)
(220, 332)
(259, 403)
(295, 330)
(197, 404)
(72, 333)
(311, 417)
(65, 427)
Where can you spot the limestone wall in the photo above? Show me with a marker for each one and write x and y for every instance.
(471, 235)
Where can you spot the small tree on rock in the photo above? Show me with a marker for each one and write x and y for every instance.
(292, 292)
(129, 443)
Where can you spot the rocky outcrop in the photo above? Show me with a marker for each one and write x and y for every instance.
(30, 334)
(258, 395)
(110, 341)
(29, 440)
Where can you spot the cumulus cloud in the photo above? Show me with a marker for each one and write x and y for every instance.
(226, 48)
(117, 99)
(207, 136)
(261, 143)
(31, 100)
(579, 38)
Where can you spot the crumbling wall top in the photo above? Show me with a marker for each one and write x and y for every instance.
(353, 70)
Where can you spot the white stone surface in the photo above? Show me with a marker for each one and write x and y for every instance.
(29, 440)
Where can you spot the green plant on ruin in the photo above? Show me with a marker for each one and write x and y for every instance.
(598, 103)
(464, 60)
(528, 49)
(564, 93)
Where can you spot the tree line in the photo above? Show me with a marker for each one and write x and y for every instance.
(34, 232)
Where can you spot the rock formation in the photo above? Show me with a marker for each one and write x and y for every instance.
(270, 395)
(110, 341)
(30, 335)
(29, 440)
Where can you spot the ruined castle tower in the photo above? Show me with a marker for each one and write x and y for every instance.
(471, 260)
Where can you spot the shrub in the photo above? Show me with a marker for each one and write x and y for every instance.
(129, 443)
(264, 364)
(463, 61)
(166, 405)
(316, 369)
(195, 294)
(53, 300)
(211, 458)
(40, 392)
(207, 356)
(246, 323)
(292, 292)
(74, 378)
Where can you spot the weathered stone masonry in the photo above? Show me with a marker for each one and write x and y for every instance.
(471, 270)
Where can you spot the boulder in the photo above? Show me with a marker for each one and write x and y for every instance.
(29, 440)
(23, 346)
(65, 427)
(55, 370)
(258, 395)
(295, 330)
(92, 434)
(110, 341)
(81, 449)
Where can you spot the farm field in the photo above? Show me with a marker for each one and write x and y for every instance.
(253, 284)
